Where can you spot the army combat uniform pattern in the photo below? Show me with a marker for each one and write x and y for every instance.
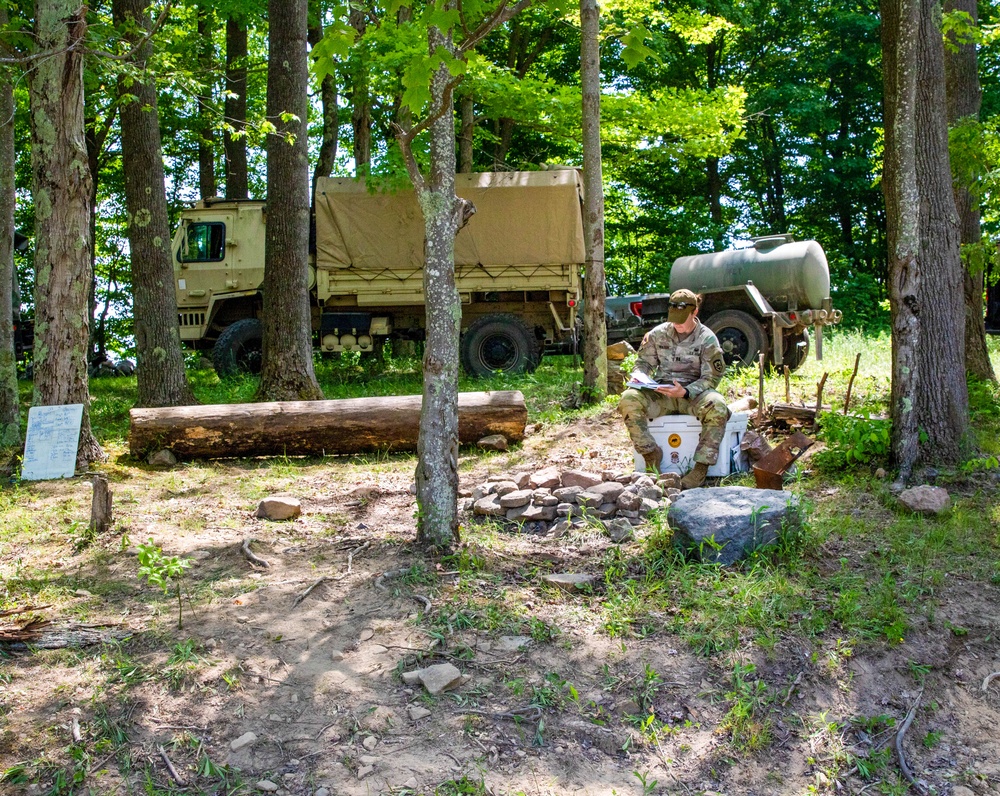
(696, 362)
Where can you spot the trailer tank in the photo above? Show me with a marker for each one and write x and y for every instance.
(790, 275)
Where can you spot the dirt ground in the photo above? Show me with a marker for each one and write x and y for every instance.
(317, 680)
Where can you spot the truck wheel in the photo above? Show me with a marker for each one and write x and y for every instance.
(499, 343)
(796, 350)
(238, 349)
(740, 336)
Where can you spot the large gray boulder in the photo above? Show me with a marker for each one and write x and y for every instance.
(723, 524)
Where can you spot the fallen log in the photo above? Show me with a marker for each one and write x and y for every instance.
(316, 428)
(794, 413)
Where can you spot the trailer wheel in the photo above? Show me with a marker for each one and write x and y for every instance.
(796, 350)
(238, 349)
(741, 337)
(499, 343)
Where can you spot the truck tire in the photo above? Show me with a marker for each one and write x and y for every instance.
(499, 343)
(742, 338)
(794, 354)
(238, 349)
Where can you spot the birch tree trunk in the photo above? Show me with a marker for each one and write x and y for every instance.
(160, 376)
(287, 365)
(929, 399)
(10, 421)
(964, 99)
(444, 214)
(236, 109)
(62, 215)
(595, 332)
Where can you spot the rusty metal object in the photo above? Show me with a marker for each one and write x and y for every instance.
(769, 470)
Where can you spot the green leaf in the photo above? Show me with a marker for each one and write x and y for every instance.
(635, 50)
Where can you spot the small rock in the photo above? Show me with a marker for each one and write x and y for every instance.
(546, 500)
(648, 506)
(926, 499)
(644, 480)
(653, 493)
(532, 513)
(416, 712)
(279, 508)
(670, 480)
(567, 494)
(608, 491)
(365, 771)
(570, 582)
(267, 786)
(628, 515)
(82, 593)
(488, 506)
(589, 500)
(368, 760)
(561, 528)
(620, 530)
(336, 655)
(629, 501)
(411, 783)
(494, 442)
(516, 499)
(880, 475)
(245, 739)
(440, 678)
(413, 488)
(322, 792)
(512, 643)
(411, 677)
(370, 742)
(162, 458)
(568, 510)
(548, 478)
(505, 487)
(606, 510)
(522, 480)
(581, 478)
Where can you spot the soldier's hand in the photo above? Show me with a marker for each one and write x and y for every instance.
(675, 390)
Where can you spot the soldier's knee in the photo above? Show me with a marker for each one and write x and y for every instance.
(631, 404)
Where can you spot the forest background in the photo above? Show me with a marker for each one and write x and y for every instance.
(741, 119)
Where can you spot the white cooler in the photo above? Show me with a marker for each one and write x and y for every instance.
(677, 436)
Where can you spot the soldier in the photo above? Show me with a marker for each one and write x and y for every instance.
(684, 357)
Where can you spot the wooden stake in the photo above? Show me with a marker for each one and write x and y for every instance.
(101, 514)
(850, 384)
(788, 388)
(760, 399)
(819, 397)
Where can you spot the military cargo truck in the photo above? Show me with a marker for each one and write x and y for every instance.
(517, 267)
(758, 299)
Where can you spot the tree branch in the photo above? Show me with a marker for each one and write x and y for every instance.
(139, 44)
(501, 14)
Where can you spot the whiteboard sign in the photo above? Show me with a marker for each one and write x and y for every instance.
(51, 442)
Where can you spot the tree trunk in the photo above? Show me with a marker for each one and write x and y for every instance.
(943, 400)
(595, 333)
(444, 214)
(10, 418)
(236, 109)
(160, 376)
(964, 99)
(328, 98)
(303, 428)
(62, 215)
(925, 287)
(467, 118)
(206, 127)
(287, 364)
(361, 110)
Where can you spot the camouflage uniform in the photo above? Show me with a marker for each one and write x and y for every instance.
(695, 362)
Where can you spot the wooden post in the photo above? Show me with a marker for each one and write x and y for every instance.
(101, 514)
(760, 398)
(819, 398)
(850, 384)
(788, 388)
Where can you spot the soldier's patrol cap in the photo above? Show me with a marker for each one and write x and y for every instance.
(682, 304)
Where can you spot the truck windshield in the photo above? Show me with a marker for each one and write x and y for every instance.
(205, 242)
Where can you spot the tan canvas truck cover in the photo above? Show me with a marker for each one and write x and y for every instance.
(527, 234)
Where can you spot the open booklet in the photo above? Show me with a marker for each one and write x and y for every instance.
(640, 381)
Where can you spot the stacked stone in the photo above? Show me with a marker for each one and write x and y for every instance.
(548, 497)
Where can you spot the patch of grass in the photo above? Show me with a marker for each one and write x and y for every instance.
(747, 720)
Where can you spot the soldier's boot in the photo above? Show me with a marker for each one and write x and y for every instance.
(652, 460)
(695, 477)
